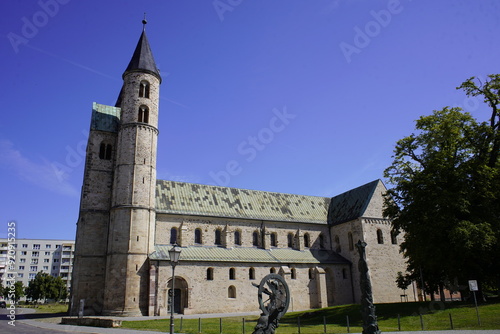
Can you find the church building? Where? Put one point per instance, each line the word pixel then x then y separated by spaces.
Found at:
pixel 229 238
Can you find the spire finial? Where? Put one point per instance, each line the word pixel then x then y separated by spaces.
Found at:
pixel 144 22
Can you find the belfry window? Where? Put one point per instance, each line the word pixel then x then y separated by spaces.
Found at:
pixel 351 241
pixel 197 236
pixel 290 240
pixel 307 240
pixel 105 151
pixel 237 237
pixel 255 238
pixel 380 236
pixel 251 273
pixel 210 274
pixel 144 89
pixel 173 235
pixel 143 114
pixel 394 239
pixel 218 237
pixel 274 242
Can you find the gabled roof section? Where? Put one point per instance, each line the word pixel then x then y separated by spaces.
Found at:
pixel 362 201
pixel 105 118
pixel 250 254
pixel 142 59
pixel 204 200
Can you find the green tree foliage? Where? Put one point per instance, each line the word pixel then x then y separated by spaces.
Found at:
pixel 45 286
pixel 446 193
pixel 19 291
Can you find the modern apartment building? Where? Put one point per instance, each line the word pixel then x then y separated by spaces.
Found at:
pixel 52 256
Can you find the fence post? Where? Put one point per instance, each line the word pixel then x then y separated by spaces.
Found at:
pixel 220 325
pixel 180 329
pixel 298 323
pixel 348 329
pixel 243 326
pixel 451 321
pixel 421 321
pixel 324 324
pixel 399 323
pixel 199 325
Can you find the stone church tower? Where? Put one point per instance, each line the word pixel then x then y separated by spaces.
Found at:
pixel 115 231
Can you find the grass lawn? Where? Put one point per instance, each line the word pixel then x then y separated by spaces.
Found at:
pixel 435 316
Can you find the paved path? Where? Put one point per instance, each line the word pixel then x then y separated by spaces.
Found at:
pixel 58 328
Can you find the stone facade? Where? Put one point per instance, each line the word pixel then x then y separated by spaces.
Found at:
pixel 230 238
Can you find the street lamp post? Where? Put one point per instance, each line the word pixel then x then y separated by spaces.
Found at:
pixel 174 253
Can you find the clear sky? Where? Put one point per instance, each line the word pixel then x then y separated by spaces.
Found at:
pixel 293 96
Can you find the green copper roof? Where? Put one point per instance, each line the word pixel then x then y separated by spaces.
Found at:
pixel 253 255
pixel 203 200
pixel 105 118
pixel 351 204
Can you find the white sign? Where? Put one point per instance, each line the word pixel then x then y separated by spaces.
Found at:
pixel 473 285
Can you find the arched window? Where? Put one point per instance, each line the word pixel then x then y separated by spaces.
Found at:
pixel 272 270
pixel 274 237
pixel 336 240
pixel 105 151
pixel 307 240
pixel 232 273
pixel 231 292
pixel 143 114
pixel 394 239
pixel 351 242
pixel 311 273
pixel 255 238
pixel 218 237
pixel 237 237
pixel 380 236
pixel 197 236
pixel 144 89
pixel 251 273
pixel 290 240
pixel 322 242
pixel 173 235
pixel 210 274
pixel 294 273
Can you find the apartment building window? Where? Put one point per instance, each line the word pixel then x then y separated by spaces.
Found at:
pixel 36 246
pixel 34 261
pixel 46 260
pixel 56 260
pixel 32 276
pixel 24 253
pixel 21 267
pixel 33 268
pixel 47 253
pixel 22 260
pixel 48 246
pixel 25 245
pixel 20 275
pixel 46 268
pixel 35 254
pixel 54 267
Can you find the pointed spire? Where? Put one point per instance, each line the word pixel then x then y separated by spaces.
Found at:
pixel 143 60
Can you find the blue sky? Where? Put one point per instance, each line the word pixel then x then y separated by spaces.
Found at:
pixel 304 97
